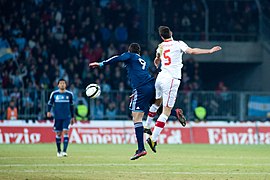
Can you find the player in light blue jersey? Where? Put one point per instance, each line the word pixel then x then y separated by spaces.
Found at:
pixel 61 101
pixel 143 85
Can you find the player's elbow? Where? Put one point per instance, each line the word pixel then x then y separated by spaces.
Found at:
pixel 191 51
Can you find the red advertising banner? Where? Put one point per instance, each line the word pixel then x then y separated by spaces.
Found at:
pixel 122 132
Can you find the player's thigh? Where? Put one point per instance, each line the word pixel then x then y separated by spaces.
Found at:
pixel 170 89
pixel 58 125
pixel 66 123
pixel 137 116
pixel 142 98
pixel 158 87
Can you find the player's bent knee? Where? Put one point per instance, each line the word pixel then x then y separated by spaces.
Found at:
pixel 59 133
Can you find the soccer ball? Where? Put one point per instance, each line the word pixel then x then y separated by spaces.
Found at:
pixel 93 90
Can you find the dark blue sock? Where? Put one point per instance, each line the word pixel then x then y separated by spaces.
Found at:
pixel 139 135
pixel 58 143
pixel 65 142
pixel 173 113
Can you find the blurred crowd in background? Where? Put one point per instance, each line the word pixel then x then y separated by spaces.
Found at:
pixel 58 39
pixel 224 17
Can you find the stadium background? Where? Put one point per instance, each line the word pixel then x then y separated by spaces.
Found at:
pixel 42 41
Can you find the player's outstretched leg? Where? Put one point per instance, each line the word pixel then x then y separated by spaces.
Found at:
pixel 138 154
pixel 139 135
pixel 151 114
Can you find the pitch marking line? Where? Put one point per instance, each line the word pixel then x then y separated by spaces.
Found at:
pixel 132 172
pixel 90 157
pixel 123 164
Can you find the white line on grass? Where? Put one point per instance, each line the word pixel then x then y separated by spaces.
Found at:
pixel 91 157
pixel 132 172
pixel 128 164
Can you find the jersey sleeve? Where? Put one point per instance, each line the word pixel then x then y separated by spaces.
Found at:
pixel 71 99
pixel 121 58
pixel 51 100
pixel 183 46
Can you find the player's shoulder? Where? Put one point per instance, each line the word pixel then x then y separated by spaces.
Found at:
pixel 69 92
pixel 56 91
pixel 180 42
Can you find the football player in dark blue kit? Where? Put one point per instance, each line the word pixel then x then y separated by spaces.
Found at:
pixel 61 101
pixel 143 86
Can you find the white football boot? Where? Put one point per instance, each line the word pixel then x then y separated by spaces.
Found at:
pixel 64 154
pixel 59 154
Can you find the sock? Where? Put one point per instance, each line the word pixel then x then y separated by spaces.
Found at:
pixel 159 126
pixel 152 113
pixel 65 142
pixel 58 143
pixel 139 135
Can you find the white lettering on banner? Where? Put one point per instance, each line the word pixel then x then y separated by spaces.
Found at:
pixel 86 136
pixel 18 138
pixel 101 138
pixel 74 137
pixel 221 136
pixel 175 138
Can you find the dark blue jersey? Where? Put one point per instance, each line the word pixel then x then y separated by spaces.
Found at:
pixel 137 68
pixel 62 104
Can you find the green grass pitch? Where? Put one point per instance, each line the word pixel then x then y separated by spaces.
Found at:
pixel 39 161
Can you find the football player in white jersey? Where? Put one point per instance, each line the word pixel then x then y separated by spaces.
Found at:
pixel 169 54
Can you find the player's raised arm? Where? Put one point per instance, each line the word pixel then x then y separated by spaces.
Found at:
pixel 94 65
pixel 203 51
pixel 111 60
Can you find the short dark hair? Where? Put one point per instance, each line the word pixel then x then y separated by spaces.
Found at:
pixel 62 80
pixel 134 48
pixel 164 31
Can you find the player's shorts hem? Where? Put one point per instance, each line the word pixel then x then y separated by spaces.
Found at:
pixel 136 110
pixel 57 130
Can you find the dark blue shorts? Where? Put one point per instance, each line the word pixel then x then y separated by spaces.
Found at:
pixel 61 124
pixel 143 97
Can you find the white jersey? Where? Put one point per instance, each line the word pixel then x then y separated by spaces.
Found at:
pixel 171 57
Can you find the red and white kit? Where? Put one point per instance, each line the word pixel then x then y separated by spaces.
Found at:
pixel 168 80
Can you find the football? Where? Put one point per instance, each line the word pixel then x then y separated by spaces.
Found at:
pixel 93 91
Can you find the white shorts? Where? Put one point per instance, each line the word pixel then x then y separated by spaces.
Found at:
pixel 166 88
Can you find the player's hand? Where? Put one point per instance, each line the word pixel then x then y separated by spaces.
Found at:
pixel 49 114
pixel 94 65
pixel 215 49
pixel 72 121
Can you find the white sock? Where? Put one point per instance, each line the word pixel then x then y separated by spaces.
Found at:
pixel 159 126
pixel 152 113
